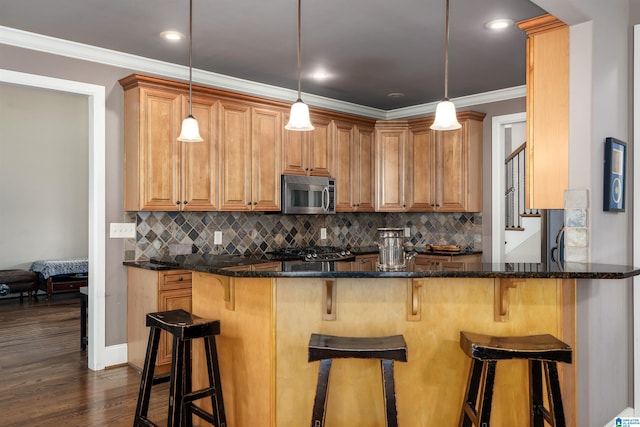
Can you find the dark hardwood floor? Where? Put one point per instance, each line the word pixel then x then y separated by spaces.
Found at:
pixel 44 379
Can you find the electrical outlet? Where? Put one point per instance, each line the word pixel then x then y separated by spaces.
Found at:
pixel 124 230
pixel 217 237
pixel 407 232
pixel 323 233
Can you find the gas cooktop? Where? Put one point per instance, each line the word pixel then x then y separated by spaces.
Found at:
pixel 312 254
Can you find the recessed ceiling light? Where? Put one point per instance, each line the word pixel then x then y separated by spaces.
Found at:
pixel 172 35
pixel 320 75
pixel 498 24
pixel 395 95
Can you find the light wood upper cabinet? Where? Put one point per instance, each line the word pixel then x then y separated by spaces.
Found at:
pixel 343 171
pixel 445 168
pixel 307 153
pixel 547 112
pixel 391 139
pixel 250 141
pixel 363 153
pixel 421 170
pixel 161 173
pixel 199 160
pixel 266 143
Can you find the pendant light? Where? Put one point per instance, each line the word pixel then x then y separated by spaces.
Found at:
pixel 190 131
pixel 299 117
pixel 445 111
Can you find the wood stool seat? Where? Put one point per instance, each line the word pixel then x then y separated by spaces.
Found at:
pixel 541 351
pixel 184 327
pixel 387 349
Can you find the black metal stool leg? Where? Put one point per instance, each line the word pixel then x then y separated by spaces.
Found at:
pixel 176 383
pixel 535 391
pixel 553 391
pixel 320 402
pixel 469 416
pixel 389 390
pixel 213 370
pixel 487 394
pixel 142 407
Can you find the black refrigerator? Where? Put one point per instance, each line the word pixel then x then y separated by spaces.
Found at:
pixel 552 236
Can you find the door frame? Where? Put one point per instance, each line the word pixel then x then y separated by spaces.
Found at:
pixel 96 102
pixel 498 124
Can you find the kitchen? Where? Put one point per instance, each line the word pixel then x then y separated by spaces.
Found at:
pixel 29 61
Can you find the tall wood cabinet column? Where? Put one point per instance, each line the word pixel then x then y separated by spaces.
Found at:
pixel 547 112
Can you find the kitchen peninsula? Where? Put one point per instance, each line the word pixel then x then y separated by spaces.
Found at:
pixel 268 314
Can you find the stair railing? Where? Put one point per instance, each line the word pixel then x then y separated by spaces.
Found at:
pixel 515 184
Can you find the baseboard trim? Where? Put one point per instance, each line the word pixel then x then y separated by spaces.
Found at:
pixel 115 355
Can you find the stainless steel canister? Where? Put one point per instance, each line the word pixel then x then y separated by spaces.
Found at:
pixel 391 247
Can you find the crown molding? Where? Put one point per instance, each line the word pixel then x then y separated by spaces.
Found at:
pixel 84 52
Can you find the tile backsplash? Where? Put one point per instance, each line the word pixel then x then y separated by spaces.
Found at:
pixel 257 233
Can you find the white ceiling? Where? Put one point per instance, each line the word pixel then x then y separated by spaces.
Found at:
pixel 370 47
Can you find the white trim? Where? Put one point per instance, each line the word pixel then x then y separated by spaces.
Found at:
pixel 461 102
pixel 115 355
pixel 636 215
pixel 96 248
pixel 497 177
pixel 38 42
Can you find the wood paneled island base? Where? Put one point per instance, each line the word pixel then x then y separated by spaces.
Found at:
pixel 266 323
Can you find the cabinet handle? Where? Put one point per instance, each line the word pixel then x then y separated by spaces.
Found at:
pixel 180 279
pixel 178 202
pixel 255 203
pixel 185 202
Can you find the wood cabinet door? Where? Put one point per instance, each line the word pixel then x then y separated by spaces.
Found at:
pixel 171 300
pixel 266 142
pixel 343 137
pixel 160 118
pixel 199 160
pixel 320 148
pixel 422 170
pixel 235 156
pixel 451 170
pixel 391 142
pixel 295 146
pixel 364 170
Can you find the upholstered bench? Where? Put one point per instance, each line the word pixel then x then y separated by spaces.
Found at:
pixel 14 281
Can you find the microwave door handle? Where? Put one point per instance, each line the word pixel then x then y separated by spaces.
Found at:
pixel 325 199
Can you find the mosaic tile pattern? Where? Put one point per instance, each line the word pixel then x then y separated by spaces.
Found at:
pixel 258 233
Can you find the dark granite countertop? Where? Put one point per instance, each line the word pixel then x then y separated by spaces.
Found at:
pixel 240 266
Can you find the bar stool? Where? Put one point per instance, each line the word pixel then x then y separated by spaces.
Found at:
pixel 328 347
pixel 184 327
pixel 539 350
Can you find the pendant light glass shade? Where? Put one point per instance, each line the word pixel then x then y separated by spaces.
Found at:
pixel 190 131
pixel 299 119
pixel 446 116
pixel 445 111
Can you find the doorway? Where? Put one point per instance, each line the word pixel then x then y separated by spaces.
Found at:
pixel 96 251
pixel 516 232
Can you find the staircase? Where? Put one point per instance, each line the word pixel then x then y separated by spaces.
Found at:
pixel 522 225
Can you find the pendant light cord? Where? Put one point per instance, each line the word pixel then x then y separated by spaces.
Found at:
pixel 299 66
pixel 446 54
pixel 190 53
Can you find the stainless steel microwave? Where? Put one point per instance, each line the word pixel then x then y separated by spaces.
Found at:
pixel 308 195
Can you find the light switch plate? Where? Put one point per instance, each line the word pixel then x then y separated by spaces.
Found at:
pixel 407 232
pixel 217 237
pixel 122 230
pixel 323 233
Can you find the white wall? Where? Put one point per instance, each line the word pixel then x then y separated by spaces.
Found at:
pixel 44 164
pixel 45 64
pixel 600 107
